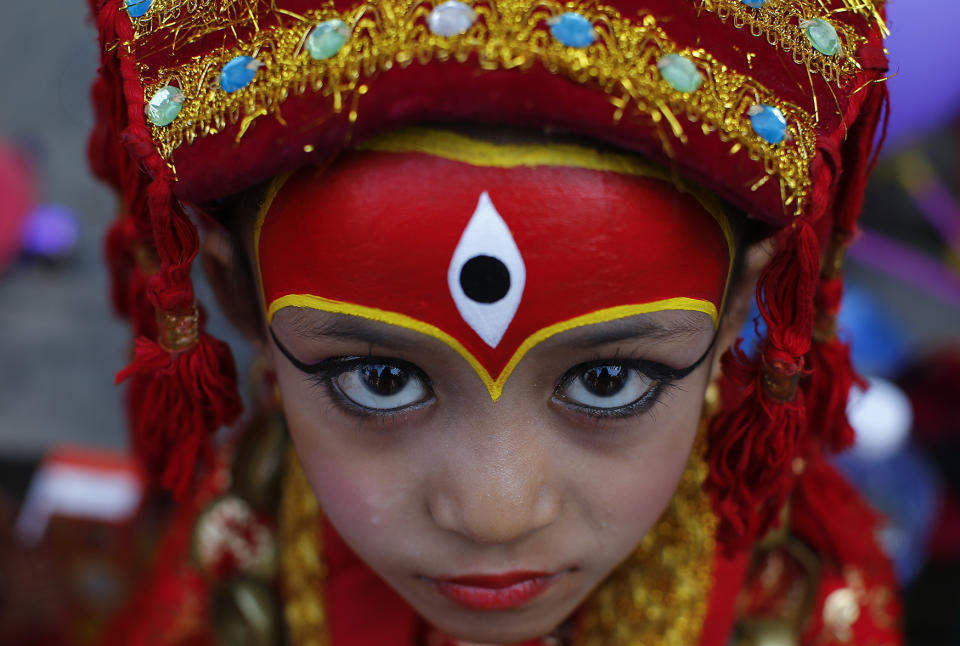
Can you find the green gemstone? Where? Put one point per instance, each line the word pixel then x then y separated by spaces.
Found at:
pixel 822 36
pixel 165 105
pixel 327 39
pixel 680 72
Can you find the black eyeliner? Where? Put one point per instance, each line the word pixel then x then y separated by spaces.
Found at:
pixel 655 370
pixel 324 373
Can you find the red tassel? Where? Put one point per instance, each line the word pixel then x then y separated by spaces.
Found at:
pixel 181 398
pixel 183 385
pixel 120 263
pixel 826 391
pixel 828 514
pixel 755 438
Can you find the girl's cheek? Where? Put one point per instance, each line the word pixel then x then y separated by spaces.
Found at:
pixel 358 493
pixel 638 483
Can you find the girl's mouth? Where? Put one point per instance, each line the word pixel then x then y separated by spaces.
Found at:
pixel 494 591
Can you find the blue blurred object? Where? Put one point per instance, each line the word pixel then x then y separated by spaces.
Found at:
pixel 879 344
pixel 51 231
pixel 905 490
pixel 896 478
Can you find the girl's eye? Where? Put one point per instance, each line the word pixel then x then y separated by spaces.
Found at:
pixel 606 386
pixel 381 386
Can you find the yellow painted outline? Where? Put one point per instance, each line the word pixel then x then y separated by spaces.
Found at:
pixel 494 385
pixel 476 152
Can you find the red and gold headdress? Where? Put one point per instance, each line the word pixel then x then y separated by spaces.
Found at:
pixel 770 104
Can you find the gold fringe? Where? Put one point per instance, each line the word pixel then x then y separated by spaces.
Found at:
pixel 780 24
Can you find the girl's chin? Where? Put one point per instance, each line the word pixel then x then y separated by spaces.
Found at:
pixel 495 632
pixel 513 626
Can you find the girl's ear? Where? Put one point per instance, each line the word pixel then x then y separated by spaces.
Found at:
pixel 233 283
pixel 741 297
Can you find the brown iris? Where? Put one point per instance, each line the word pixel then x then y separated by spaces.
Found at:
pixel 604 381
pixel 383 379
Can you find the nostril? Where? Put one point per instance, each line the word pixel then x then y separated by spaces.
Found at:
pixel 494 517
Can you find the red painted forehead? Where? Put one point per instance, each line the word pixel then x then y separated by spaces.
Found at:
pixel 451 237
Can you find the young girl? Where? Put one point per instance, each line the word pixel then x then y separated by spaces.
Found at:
pixel 505 354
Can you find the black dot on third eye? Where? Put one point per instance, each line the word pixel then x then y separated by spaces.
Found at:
pixel 485 279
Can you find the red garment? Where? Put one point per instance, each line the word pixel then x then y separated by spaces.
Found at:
pixel 854 599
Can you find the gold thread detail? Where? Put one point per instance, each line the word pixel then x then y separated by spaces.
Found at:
pixel 508 34
pixel 780 23
pixel 494 385
pixel 659 595
pixel 187 20
pixel 868 10
pixel 301 561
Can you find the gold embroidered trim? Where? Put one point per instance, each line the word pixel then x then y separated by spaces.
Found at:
pixel 508 34
pixel 167 14
pixel 301 562
pixel 868 10
pixel 780 22
pixel 659 596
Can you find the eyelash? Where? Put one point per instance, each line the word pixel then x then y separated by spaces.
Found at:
pixel 663 377
pixel 324 373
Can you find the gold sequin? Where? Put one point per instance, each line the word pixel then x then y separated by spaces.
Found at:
pixel 779 23
pixel 508 34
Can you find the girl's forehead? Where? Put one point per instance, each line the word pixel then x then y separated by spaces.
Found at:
pixel 491 249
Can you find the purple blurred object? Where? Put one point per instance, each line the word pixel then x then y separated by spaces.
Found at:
pixel 51 231
pixel 925 88
pixel 908 266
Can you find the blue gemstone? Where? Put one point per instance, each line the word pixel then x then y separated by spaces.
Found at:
pixel 165 105
pixel 768 122
pixel 137 8
pixel 573 30
pixel 238 73
pixel 754 4
pixel 822 35
pixel 327 39
pixel 680 72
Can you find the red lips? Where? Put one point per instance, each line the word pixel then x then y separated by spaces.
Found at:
pixel 494 591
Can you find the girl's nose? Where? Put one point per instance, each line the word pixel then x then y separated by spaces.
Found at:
pixel 496 491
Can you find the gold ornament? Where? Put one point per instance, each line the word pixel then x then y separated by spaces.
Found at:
pixel 507 34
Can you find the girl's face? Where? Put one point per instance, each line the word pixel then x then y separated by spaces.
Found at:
pixel 494 520
pixel 487 458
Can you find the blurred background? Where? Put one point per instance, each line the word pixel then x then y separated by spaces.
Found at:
pixel 61 416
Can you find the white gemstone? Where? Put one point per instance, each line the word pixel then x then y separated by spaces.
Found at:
pixel 451 18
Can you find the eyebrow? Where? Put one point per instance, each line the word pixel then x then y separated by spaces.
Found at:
pixel 641 328
pixel 347 329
